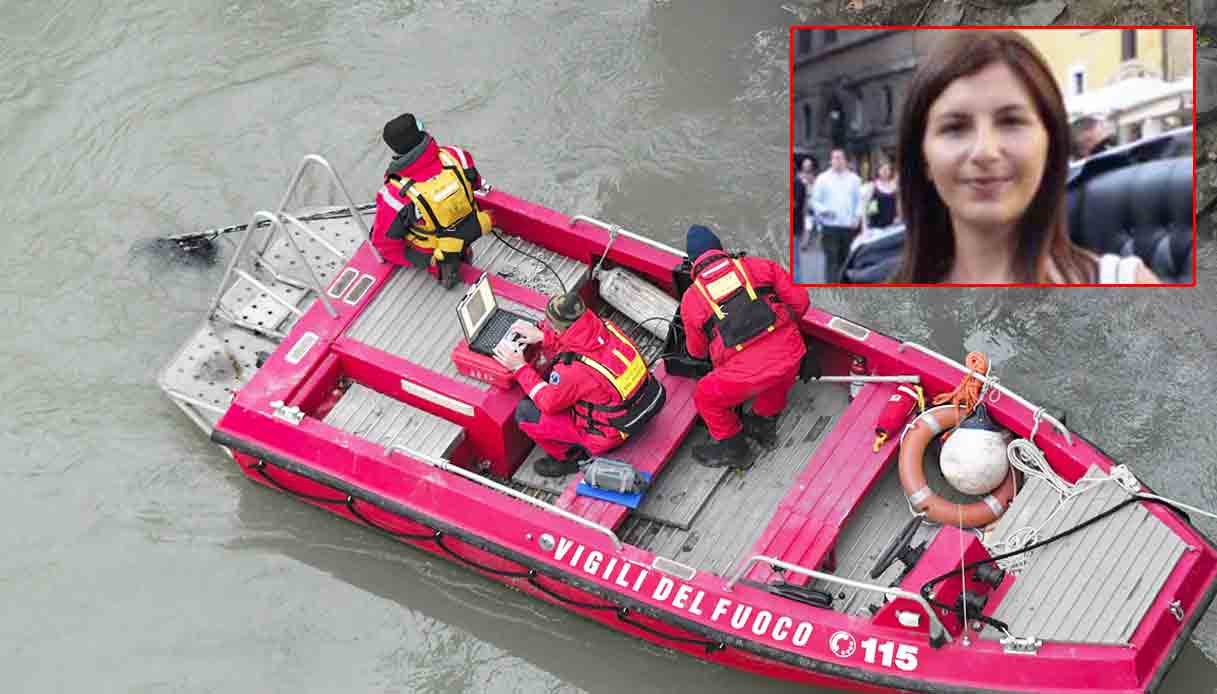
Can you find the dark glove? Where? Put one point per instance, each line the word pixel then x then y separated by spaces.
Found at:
pixel 402 222
pixel 474 178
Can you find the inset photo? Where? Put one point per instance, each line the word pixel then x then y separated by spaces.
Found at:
pixel 993 156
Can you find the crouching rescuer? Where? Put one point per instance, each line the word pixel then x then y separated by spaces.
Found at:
pixel 742 312
pixel 598 393
pixel 426 213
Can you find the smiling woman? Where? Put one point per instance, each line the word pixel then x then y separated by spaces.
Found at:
pixel 984 153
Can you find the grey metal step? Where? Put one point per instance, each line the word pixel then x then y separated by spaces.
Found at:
pixel 381 420
pixel 249 304
pixel 211 367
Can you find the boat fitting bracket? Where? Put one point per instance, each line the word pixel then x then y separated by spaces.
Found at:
pixel 1176 609
pixel 1028 645
pixel 288 413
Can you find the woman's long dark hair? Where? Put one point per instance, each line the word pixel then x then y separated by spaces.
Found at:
pixel 1043 238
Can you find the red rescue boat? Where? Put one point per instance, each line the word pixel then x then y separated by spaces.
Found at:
pixel 344 381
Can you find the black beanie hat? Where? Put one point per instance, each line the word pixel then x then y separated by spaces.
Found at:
pixel 563 310
pixel 699 240
pixel 402 134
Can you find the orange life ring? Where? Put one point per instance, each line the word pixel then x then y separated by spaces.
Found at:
pixel 912 476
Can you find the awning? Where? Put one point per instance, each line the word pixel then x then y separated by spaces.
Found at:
pixel 1120 100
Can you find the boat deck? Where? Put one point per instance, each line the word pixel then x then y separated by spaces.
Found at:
pixel 384 421
pixel 222 354
pixel 221 357
pixel 394 323
pixel 1094 586
pixel 710 519
pixel 880 517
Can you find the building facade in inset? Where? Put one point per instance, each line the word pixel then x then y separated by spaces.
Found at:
pixel 847 90
pixel 1139 79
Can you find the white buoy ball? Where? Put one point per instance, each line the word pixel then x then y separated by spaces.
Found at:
pixel 974 460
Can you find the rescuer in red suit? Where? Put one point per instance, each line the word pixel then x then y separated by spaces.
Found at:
pixel 426 213
pixel 598 393
pixel 742 313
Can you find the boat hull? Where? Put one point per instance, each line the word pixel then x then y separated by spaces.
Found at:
pixel 569 552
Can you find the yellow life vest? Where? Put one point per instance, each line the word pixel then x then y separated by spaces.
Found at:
pixel 443 200
pixel 641 396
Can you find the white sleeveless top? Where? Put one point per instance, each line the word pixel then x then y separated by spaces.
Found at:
pixel 1116 270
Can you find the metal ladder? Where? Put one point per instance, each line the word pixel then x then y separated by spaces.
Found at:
pixel 265 292
pixel 252 257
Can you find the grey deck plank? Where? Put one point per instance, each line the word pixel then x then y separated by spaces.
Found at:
pixel 1148 589
pixel 1153 568
pixel 1094 586
pixel 743 504
pixel 393 323
pixel 682 489
pixel 377 418
pixel 526 476
pixel 1085 571
pixel 496 258
pixel 877 520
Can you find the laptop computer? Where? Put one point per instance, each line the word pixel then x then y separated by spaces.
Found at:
pixel 482 321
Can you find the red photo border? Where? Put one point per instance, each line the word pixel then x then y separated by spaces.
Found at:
pixel 790 158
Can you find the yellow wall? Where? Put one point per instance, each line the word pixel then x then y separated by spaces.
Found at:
pixel 1179 45
pixel 1099 52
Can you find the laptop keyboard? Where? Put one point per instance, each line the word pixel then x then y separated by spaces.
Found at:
pixel 494 330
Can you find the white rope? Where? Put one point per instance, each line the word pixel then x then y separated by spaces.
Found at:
pixel 1180 504
pixel 1028 459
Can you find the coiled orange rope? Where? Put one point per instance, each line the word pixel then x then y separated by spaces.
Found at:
pixel 966 395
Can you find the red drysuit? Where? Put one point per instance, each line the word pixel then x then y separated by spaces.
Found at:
pixel 563 399
pixel 766 366
pixel 418 166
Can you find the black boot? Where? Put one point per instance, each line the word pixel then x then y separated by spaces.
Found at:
pixel 449 272
pixel 763 430
pixel 549 467
pixel 732 452
pixel 552 467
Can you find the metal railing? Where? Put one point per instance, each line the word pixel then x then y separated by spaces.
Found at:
pixel 276 225
pixel 1038 411
pixel 319 160
pixel 613 228
pixel 937 629
pixel 868 379
pixel 474 477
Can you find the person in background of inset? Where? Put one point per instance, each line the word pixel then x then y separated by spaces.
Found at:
pixel 743 313
pixel 798 226
pixel 807 174
pixel 879 202
pixel 834 202
pixel 426 213
pixel 984 155
pixel 1092 134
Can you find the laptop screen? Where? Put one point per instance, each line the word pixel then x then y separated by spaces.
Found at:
pixel 476 307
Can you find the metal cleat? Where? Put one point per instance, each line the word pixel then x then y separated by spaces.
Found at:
pixel 289 413
pixel 1021 645
pixel 1127 480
